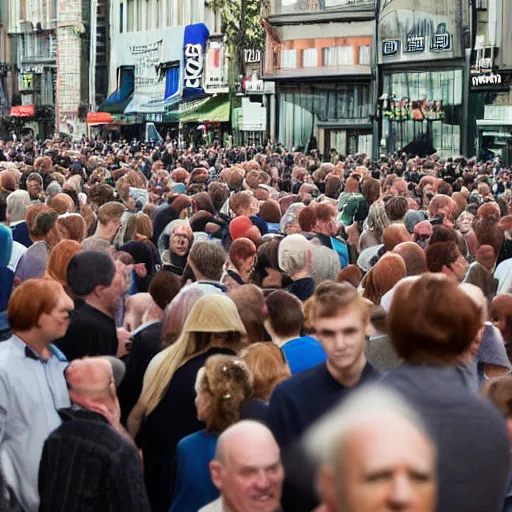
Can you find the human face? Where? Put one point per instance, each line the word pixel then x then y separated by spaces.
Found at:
pixel 34 189
pixel 252 479
pixel 464 222
pixel 343 339
pixel 202 403
pixel 113 226
pixel 180 242
pixel 387 466
pixel 55 324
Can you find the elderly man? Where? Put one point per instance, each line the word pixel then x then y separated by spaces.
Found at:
pixel 374 454
pixel 247 470
pixel 32 384
pixel 90 463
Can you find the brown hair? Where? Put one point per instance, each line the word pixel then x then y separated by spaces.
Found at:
pixel 488 232
pixel 442 234
pixel 228 382
pixel 241 201
pixel 30 300
pixel 249 301
pixel 139 227
pixel 431 316
pixel 241 249
pixel 370 188
pixel 72 227
pixel 163 288
pixel 394 235
pixel 307 218
pixel 62 203
pixel 331 299
pixel 270 211
pixel 441 254
pixel 396 208
pixel 30 217
pixel 383 276
pixel 499 392
pixel 268 367
pixel 351 274
pixel 285 313
pixel 110 211
pixel 208 258
pixel 58 261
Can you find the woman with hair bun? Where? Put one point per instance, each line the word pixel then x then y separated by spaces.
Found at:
pixel 223 386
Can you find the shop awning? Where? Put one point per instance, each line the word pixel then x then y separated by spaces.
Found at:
pixel 117 102
pixel 99 118
pixel 215 109
pixel 23 111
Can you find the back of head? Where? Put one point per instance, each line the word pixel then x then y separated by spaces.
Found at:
pixel 499 392
pixel 110 211
pixel 396 208
pixel 268 367
pixel 394 235
pixel 208 258
pixel 413 256
pixel 62 203
pixel 249 301
pixel 440 255
pixel 325 264
pixel 58 261
pixel 227 381
pixel 163 288
pixel 351 274
pixel 293 253
pixel 241 249
pixel 90 269
pixel 442 234
pixel 270 211
pixel 30 217
pixel 432 319
pixel 285 314
pixel 96 244
pixel 45 222
pixel 383 276
pixel 72 226
pixel 17 204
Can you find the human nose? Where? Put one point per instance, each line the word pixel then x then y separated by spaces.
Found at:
pixel 401 492
pixel 262 481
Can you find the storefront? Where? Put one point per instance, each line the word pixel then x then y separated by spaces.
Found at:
pixel 326 116
pixel 422 111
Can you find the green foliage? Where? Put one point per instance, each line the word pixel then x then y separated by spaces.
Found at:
pixel 231 15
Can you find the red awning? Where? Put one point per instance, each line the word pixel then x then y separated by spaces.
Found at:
pixel 99 118
pixel 23 111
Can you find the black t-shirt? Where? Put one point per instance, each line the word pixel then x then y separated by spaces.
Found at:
pixel 90 333
pixel 302 288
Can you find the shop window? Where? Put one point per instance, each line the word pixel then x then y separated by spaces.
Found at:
pixel 310 58
pixel 364 55
pixel 289 58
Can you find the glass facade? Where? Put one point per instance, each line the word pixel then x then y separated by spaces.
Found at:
pixel 423 109
pixel 301 107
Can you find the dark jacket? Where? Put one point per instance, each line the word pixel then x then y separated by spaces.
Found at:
pixel 87 466
pixel 174 418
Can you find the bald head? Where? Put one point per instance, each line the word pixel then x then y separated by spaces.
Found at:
pixel 394 235
pixel 237 438
pixel 91 375
pixel 136 306
pixel 414 257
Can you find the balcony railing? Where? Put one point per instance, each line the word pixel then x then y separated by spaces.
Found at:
pixel 301 6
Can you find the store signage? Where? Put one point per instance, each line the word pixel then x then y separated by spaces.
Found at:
pixel 441 41
pixel 216 72
pixel 23 111
pixel 193 59
pixel 252 56
pixel 32 69
pixel 490 81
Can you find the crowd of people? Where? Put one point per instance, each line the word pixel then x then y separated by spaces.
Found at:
pixel 253 330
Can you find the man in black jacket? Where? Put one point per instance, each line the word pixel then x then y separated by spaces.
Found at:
pixel 90 463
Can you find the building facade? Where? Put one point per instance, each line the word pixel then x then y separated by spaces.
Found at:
pixel 491 71
pixel 167 62
pixel 423 91
pixel 320 54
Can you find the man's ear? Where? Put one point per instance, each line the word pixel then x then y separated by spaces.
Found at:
pixel 327 489
pixel 216 473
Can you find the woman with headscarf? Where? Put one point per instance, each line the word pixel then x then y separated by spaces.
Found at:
pixel 167 399
pixel 179 237
pixel 6 279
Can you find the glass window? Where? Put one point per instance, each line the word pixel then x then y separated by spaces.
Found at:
pixel 364 55
pixel 288 58
pixel 310 58
pixel 330 57
pixel 345 55
pixel 121 17
pixel 131 16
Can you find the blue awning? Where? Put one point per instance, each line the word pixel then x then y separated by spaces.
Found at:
pixel 120 98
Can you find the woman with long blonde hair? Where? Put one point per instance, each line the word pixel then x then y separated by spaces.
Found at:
pixel 167 399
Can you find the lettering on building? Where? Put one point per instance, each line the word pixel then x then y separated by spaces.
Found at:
pixel 390 47
pixel 252 56
pixel 440 41
pixel 492 79
pixel 193 71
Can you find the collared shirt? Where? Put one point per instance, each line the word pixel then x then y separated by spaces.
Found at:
pixel 31 392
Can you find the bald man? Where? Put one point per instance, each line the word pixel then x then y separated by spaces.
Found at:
pixel 135 308
pixel 414 257
pixel 88 463
pixel 374 454
pixel 247 470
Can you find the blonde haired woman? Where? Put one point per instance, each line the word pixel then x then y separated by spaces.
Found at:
pixel 167 399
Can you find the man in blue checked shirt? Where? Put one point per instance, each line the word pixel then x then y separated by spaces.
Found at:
pixel 32 383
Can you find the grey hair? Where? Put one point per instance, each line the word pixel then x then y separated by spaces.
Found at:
pixel 293 253
pixel 325 438
pixel 17 204
pixel 34 176
pixel 53 189
pixel 325 264
pixel 95 243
